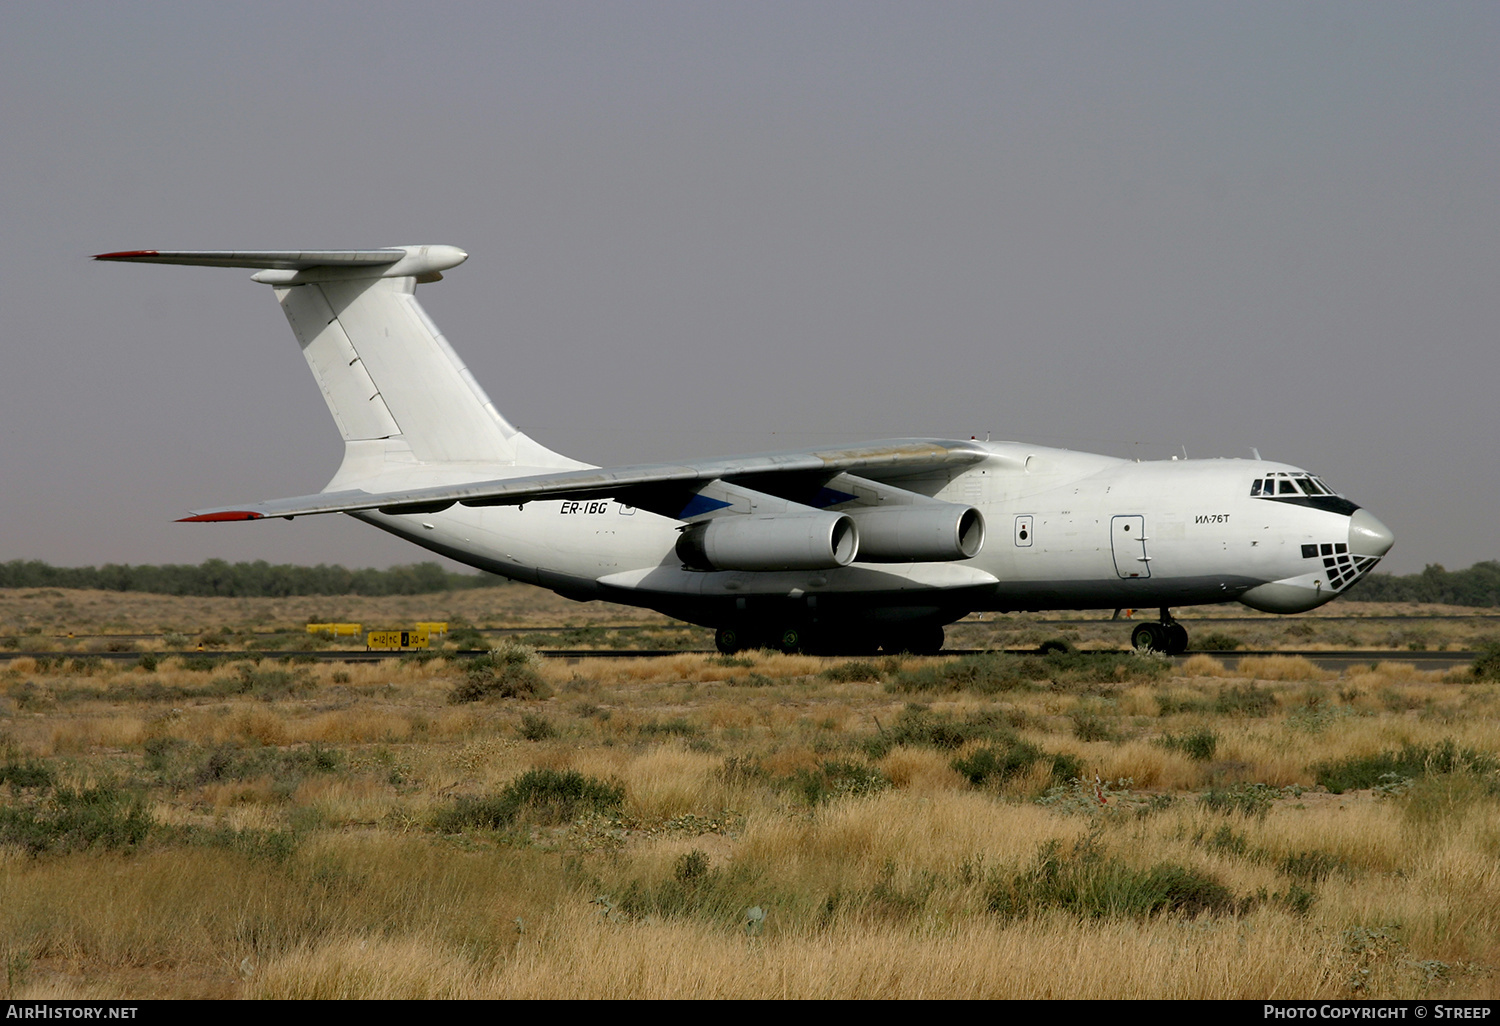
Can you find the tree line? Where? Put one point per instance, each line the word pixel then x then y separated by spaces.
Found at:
pixel 1479 585
pixel 259 579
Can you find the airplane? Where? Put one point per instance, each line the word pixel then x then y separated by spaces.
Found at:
pixel 854 549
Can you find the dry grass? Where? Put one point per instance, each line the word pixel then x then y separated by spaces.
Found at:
pixel 294 848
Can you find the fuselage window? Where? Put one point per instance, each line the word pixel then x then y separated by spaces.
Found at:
pixel 1255 488
pixel 1287 488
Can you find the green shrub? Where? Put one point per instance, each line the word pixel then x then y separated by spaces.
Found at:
pixel 1244 700
pixel 266 685
pixel 1487 666
pixel 853 672
pixel 833 780
pixel 1245 799
pixel 1001 671
pixel 1309 866
pixel 690 867
pixel 1089 727
pixel 26 774
pixel 538 795
pixel 537 728
pixel 997 762
pixel 506 672
pixel 68 820
pixel 1361 771
pixel 1087 883
pixel 1218 642
pixel 1199 746
pixel 918 727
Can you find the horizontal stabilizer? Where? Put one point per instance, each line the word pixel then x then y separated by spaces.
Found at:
pixel 301 266
pixel 285 259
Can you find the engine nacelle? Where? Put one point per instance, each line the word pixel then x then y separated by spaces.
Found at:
pixel 918 534
pixel 778 541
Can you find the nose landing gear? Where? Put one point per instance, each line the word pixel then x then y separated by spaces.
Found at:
pixel 1167 637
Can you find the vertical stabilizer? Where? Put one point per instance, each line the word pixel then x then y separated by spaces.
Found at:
pixel 398 392
pixel 387 372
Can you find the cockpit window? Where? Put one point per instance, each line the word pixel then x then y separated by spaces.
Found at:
pixel 1283 483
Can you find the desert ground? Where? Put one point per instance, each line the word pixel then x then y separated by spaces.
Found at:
pixel 1090 823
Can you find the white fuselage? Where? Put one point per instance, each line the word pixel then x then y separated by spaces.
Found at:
pixel 1065 530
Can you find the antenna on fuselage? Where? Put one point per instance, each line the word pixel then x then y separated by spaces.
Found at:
pixel 1255 452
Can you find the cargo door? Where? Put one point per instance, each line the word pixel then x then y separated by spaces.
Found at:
pixel 1127 536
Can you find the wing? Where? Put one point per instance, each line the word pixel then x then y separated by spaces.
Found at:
pixel 667 488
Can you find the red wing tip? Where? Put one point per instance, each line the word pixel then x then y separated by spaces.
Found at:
pixel 127 254
pixel 206 518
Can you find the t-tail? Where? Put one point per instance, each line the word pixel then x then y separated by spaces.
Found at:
pixel 400 395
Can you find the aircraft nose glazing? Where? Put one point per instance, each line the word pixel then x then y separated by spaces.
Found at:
pixel 1368 536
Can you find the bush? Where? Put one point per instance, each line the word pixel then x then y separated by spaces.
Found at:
pixel 540 795
pixel 997 763
pixel 1002 671
pixel 1244 700
pixel 70 820
pixel 25 774
pixel 1362 771
pixel 1218 642
pixel 690 867
pixel 1199 746
pixel 267 685
pixel 1088 727
pixel 1487 666
pixel 849 673
pixel 1245 799
pixel 537 728
pixel 507 672
pixel 1087 883
pixel 922 728
pixel 833 780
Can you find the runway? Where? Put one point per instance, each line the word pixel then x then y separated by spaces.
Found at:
pixel 1328 660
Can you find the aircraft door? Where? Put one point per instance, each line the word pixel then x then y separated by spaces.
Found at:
pixel 1127 536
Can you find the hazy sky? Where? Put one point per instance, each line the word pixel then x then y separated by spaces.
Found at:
pixel 706 228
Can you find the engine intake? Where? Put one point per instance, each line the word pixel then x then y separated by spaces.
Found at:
pixel 784 541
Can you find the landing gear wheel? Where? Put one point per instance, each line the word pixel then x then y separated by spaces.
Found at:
pixel 730 640
pixel 1176 639
pixel 1147 637
pixel 788 639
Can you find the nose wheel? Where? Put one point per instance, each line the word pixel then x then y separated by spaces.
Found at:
pixel 1167 637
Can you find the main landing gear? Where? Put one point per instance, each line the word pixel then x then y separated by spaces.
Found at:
pixel 1167 637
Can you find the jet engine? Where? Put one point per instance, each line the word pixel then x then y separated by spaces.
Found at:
pixel 932 533
pixel 779 541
